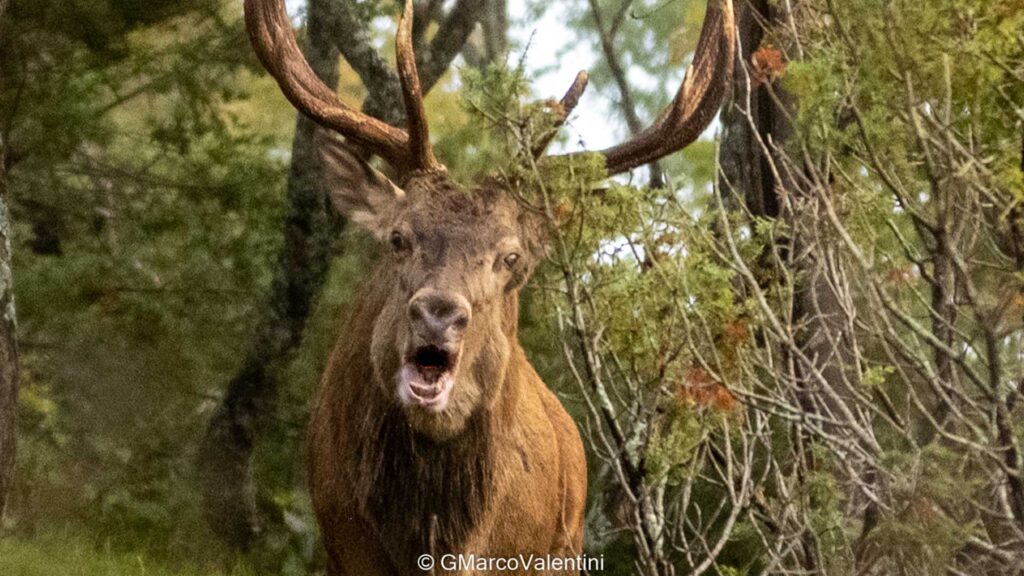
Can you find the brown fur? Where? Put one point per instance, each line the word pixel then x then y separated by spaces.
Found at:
pixel 501 472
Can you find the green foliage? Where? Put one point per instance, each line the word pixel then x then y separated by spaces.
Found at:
pixel 669 453
pixel 690 362
pixel 147 220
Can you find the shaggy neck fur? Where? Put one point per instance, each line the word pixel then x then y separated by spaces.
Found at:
pixel 424 496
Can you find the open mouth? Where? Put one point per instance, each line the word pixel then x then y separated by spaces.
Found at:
pixel 427 377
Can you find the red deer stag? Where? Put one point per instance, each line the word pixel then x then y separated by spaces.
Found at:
pixel 433 434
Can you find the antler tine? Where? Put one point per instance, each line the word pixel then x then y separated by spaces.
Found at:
pixel 419 132
pixel 271 34
pixel 697 101
pixel 566 105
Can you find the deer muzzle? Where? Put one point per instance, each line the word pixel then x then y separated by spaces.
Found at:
pixel 438 321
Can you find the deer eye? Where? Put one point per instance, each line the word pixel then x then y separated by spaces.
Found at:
pixel 511 260
pixel 397 241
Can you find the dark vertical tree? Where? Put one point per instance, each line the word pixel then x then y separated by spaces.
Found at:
pixel 492 44
pixel 8 348
pixel 495 27
pixel 750 114
pixel 225 464
pixel 226 453
pixel 757 171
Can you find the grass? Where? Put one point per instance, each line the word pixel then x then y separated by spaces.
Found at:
pixel 53 556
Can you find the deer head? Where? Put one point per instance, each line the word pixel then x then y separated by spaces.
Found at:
pixel 456 256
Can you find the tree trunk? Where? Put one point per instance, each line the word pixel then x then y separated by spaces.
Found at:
pixel 225 455
pixel 8 349
pixel 495 29
pixel 746 169
pixel 756 130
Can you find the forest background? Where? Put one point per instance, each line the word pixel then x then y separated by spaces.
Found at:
pixel 795 348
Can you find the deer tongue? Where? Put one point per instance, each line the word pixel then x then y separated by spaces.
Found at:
pixel 431 374
pixel 425 386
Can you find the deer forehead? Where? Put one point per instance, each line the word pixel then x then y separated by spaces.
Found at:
pixel 446 213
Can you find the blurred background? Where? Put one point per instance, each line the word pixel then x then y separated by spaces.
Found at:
pixel 810 321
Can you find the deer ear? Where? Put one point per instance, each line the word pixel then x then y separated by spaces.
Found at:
pixel 357 190
pixel 535 234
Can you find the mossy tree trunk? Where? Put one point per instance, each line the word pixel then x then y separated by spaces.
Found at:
pixel 8 348
pixel 8 352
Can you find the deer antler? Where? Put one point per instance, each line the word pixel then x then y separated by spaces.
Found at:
pixel 565 107
pixel 697 101
pixel 419 133
pixel 270 32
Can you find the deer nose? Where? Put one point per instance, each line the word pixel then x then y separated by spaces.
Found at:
pixel 439 317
